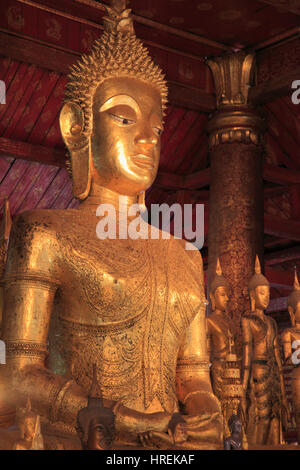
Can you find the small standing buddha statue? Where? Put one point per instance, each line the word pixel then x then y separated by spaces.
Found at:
pixel 262 368
pixel 290 339
pixel 29 425
pixel 225 365
pixel 135 307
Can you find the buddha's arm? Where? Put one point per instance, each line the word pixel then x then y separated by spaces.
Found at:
pixel 193 381
pixel 208 338
pixel 279 363
pixel 247 351
pixel 287 345
pixel 30 285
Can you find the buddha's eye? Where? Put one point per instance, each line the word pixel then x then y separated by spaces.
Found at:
pixel 158 130
pixel 121 120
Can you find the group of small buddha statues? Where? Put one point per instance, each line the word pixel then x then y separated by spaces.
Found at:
pixel 108 340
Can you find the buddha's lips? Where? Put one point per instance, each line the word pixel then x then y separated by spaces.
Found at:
pixel 143 161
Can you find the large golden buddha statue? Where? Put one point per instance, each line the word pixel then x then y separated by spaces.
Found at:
pixel 135 308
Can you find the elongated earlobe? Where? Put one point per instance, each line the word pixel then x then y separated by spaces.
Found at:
pixel 252 301
pixel 212 301
pixel 79 145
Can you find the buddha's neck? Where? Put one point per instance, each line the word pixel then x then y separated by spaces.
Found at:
pixel 259 312
pixel 101 195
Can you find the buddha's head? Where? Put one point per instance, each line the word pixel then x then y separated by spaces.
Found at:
pixel 235 424
pixel 294 302
pixel 95 426
pixel 112 118
pixel 219 291
pixel 259 289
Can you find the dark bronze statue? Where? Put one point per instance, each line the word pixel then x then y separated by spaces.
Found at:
pixel 95 423
pixel 234 441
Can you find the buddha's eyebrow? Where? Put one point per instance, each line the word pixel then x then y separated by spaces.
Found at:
pixel 120 100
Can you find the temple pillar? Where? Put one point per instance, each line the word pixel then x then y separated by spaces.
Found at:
pixel 236 204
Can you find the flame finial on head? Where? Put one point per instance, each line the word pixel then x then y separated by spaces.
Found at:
pixel 258 279
pixel 28 405
pixel 95 390
pixel 219 280
pixel 296 282
pixel 118 17
pixel 294 297
pixel 257 265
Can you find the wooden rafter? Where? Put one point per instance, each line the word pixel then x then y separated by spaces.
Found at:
pixel 282 228
pixel 59 59
pixel 289 254
pixel 274 88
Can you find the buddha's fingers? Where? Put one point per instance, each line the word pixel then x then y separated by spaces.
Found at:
pixel 200 421
pixel 160 440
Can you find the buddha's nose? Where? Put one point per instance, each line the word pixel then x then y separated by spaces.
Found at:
pixel 146 142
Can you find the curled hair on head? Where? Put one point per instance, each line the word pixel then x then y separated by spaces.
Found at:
pixel 117 53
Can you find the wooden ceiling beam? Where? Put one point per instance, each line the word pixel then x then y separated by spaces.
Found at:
pixel 59 59
pixel 279 278
pixel 289 5
pixel 281 228
pixel 277 305
pixel 33 153
pixel 274 88
pixel 279 175
pixel 282 256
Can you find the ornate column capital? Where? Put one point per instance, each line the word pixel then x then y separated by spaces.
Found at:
pixel 235 119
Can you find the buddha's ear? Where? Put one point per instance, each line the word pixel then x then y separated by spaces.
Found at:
pixel 71 122
pixel 212 301
pixel 292 314
pixel 252 300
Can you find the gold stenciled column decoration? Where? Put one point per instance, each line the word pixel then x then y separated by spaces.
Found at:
pixel 236 190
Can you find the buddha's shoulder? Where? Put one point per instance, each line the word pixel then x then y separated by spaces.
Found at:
pixel 182 250
pixel 50 220
pixel 38 228
pixel 286 335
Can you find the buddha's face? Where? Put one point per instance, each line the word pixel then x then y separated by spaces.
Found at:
pixel 127 123
pixel 236 427
pixel 261 296
pixel 221 298
pixel 100 434
pixel 29 427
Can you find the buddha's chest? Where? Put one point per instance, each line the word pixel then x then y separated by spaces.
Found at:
pixel 105 281
pixel 263 332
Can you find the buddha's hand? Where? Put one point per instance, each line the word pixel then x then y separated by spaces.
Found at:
pixel 131 424
pixel 200 432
